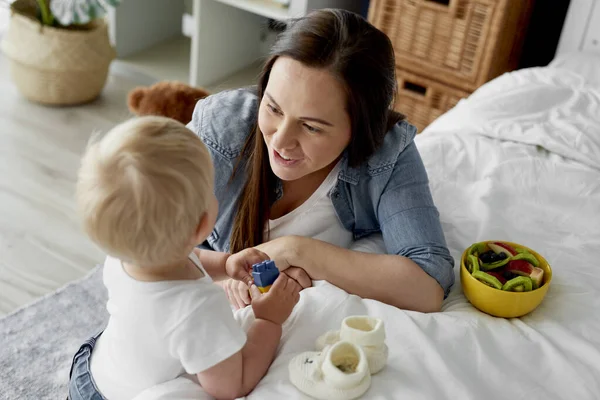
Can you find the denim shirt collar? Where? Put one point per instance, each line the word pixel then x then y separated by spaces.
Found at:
pixel 347 173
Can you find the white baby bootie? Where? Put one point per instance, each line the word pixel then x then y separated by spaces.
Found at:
pixel 364 331
pixel 339 372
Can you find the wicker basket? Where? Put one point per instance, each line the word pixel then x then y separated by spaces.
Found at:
pixel 422 100
pixel 57 66
pixel 463 43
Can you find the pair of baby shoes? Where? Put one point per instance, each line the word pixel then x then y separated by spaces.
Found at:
pixel 341 369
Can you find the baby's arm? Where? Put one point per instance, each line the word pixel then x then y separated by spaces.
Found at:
pixel 213 262
pixel 239 374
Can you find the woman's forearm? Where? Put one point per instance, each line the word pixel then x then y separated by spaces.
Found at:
pixel 392 279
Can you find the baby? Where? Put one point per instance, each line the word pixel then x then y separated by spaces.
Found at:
pixel 145 196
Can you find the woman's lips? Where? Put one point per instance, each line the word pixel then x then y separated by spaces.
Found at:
pixel 282 161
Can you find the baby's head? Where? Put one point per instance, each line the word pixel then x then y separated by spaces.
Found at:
pixel 145 191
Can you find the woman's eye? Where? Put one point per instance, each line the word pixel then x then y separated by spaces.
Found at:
pixel 273 109
pixel 312 129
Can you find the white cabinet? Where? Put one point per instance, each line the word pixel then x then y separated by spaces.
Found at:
pixel 226 35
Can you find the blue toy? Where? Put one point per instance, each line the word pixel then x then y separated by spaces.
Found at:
pixel 264 275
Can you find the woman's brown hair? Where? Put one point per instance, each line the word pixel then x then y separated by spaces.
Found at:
pixel 362 58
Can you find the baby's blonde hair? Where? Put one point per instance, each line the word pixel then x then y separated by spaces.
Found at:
pixel 143 188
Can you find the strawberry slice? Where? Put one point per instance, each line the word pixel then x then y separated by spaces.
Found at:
pixel 498 276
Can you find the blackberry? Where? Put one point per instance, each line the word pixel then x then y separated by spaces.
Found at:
pixel 488 257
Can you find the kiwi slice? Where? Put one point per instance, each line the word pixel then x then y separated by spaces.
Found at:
pixel 518 284
pixel 487 279
pixel 473 263
pixel 530 258
pixel 476 249
pixel 496 264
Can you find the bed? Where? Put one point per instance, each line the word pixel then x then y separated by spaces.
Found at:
pixel 519 160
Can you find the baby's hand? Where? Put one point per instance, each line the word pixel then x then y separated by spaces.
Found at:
pixel 239 265
pixel 278 303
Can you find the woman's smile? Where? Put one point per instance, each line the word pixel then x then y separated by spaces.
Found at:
pixel 285 161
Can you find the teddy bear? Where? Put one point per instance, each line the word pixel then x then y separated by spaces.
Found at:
pixel 170 99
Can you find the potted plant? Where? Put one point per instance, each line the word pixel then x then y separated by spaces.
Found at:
pixel 59 50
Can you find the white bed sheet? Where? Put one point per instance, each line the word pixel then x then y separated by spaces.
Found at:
pixel 518 161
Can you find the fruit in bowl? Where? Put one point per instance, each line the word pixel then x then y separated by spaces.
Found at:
pixel 504 279
pixel 504 267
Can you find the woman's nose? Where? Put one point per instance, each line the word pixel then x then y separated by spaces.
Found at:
pixel 284 137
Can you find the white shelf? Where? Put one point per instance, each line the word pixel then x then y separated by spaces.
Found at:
pixel 227 36
pixel 263 8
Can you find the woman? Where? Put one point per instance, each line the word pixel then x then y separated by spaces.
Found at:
pixel 314 162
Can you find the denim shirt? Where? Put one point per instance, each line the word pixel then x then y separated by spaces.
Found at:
pixel 389 193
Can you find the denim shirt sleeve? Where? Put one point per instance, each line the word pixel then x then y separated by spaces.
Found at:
pixel 409 220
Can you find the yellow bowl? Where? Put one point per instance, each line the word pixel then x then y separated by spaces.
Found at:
pixel 501 303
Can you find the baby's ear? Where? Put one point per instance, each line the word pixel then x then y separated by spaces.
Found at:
pixel 203 229
pixel 134 99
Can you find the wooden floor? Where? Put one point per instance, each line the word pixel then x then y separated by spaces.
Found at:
pixel 41 245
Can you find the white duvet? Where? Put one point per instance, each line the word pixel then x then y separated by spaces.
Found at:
pixel 519 160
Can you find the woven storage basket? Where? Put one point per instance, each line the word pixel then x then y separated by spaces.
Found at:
pixel 57 66
pixel 422 100
pixel 463 43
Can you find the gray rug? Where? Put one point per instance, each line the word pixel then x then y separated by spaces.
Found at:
pixel 37 343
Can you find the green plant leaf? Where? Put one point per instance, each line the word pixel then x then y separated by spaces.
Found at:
pixel 69 12
pixel 46 15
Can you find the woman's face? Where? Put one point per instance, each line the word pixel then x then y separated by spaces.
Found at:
pixel 303 119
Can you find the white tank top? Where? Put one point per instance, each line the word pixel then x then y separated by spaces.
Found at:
pixel 315 218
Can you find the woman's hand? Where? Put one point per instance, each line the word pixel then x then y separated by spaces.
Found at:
pixel 282 250
pixel 300 276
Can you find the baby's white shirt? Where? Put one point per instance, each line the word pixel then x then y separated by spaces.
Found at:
pixel 158 331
